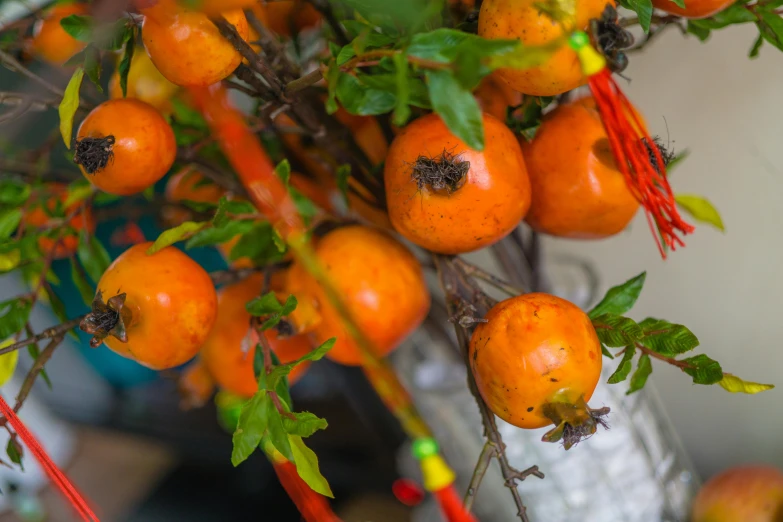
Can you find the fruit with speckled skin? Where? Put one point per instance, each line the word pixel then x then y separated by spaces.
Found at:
pixel 379 280
pixel 492 196
pixel 142 150
pixel 171 301
pixel 521 19
pixel 577 190
pixel 743 493
pixel 534 349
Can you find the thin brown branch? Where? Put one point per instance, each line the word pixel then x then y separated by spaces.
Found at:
pixel 12 64
pixel 682 365
pixel 472 270
pixel 49 333
pixel 485 458
pixel 325 8
pixel 304 82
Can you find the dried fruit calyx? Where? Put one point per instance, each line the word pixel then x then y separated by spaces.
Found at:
pixel 105 319
pixel 443 173
pixel 93 154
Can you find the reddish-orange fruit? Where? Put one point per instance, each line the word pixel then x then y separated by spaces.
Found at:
pixel 380 281
pixel 50 41
pixel 536 361
pixel 286 17
pixel 124 146
pixel 448 198
pixel 743 493
pixel 81 219
pixel 521 19
pixel 159 308
pixel 222 353
pixel 577 190
pixel 693 8
pixel 145 83
pixel 187 48
pixel 495 96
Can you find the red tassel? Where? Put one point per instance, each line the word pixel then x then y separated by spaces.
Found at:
pixel 451 505
pixel 631 146
pixel 55 475
pixel 312 506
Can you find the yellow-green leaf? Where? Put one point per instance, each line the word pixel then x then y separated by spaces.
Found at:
pixel 526 56
pixel 172 235
pixel 9 260
pixel 701 210
pixel 7 362
pixel 69 105
pixel 306 462
pixel 734 384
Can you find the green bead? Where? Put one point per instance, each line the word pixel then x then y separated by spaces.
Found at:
pixel 578 40
pixel 423 448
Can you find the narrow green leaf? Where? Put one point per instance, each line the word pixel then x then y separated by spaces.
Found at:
pixel 15 452
pixel 305 425
pixel 80 280
pixel 616 330
pixel 252 425
pixel 9 221
pixel 639 377
pixel 173 235
pixel 14 314
pixel 621 298
pixel 457 107
pixel 667 338
pixel 644 10
pixel 626 364
pixel 771 28
pixel 284 369
pixel 283 171
pixel 69 104
pixel 703 369
pixel 8 364
pixel 92 65
pixel 215 235
pixel 754 51
pixel 276 432
pixel 307 466
pixel 79 27
pixel 123 69
pixel 606 352
pixel 732 383
pixel 92 255
pixel 701 210
pixel 401 111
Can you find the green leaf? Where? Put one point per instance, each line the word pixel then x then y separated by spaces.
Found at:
pixel 9 260
pixel 92 65
pixel 417 95
pixel 8 364
pixel 125 63
pixel 703 369
pixel 268 306
pixel 187 115
pixel 457 107
pixel 732 383
pixel 13 192
pixel 227 207
pixel 14 314
pixel 616 330
pixel 82 285
pixel 216 235
pixel 606 352
pixel 258 245
pixel 178 233
pixel 282 370
pixel 252 424
pixel 69 104
pixel 92 256
pixel 306 424
pixel 358 98
pixel 639 377
pixel 9 221
pixel 342 174
pixel 15 452
pixel 621 298
pixel 626 364
pixel 79 27
pixel 679 3
pixel 276 432
pixel 771 28
pixel 78 191
pixel 283 171
pixel 307 466
pixel 667 338
pixel 700 209
pixel 35 352
pixel 447 45
pixel 527 120
pixel 366 40
pixel 401 111
pixel 702 33
pixel 644 9
pixel 754 51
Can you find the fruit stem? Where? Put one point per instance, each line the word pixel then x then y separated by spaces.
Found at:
pixel 573 422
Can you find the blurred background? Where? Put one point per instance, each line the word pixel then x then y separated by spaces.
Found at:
pixel 118 430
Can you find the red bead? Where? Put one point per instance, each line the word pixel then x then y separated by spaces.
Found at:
pixel 407 492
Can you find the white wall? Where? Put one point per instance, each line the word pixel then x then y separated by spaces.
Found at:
pixel 727 288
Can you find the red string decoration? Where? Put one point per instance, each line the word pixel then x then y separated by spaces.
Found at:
pixel 52 471
pixel 634 150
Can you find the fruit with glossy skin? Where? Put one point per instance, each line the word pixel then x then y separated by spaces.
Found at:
pixel 693 9
pixel 187 48
pixel 535 353
pixel 81 219
pixel 521 20
pixel 124 146
pixel 50 41
pixel 380 281
pixel 145 83
pixel 168 309
pixel 222 353
pixel 742 493
pixel 577 190
pixel 448 198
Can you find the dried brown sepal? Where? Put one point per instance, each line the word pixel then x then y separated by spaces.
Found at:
pixel 105 319
pixel 93 154
pixel 444 173
pixel 573 422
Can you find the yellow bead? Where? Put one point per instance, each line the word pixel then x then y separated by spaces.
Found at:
pixel 437 474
